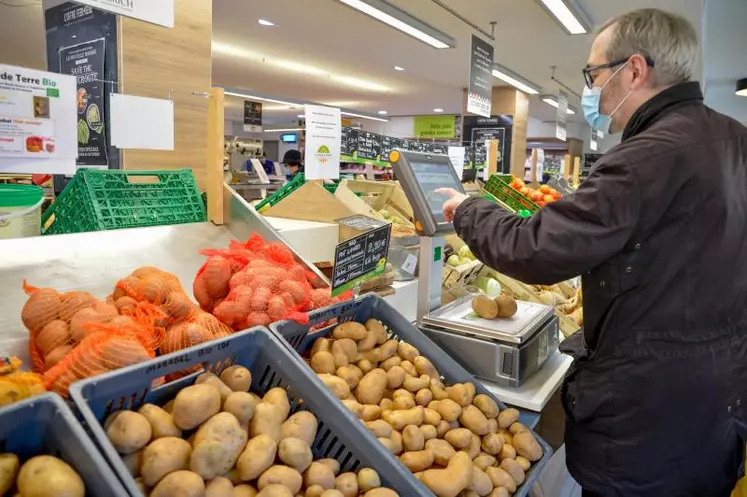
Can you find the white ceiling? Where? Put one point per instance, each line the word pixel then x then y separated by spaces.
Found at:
pixel 338 42
pixel 341 48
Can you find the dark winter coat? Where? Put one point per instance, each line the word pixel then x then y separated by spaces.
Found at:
pixel 656 397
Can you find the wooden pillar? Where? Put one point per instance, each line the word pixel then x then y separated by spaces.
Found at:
pixel 214 155
pixel 575 147
pixel 155 60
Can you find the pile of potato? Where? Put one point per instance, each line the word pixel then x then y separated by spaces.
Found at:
pixel 456 442
pixel 40 476
pixel 215 439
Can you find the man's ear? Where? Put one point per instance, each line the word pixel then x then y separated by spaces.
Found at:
pixel 641 71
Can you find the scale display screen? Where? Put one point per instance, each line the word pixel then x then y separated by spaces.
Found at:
pixel 431 177
pixel 420 175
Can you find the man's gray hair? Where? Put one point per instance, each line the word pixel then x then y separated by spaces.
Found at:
pixel 668 39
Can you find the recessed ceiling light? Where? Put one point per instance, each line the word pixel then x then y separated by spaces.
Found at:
pixel 382 112
pixel 397 68
pixel 438 110
pixel 265 22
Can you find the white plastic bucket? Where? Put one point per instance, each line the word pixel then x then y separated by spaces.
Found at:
pixel 20 210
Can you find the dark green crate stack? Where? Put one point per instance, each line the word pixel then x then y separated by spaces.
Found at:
pixel 499 186
pixel 97 200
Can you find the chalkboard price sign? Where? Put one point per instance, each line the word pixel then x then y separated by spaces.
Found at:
pixel 344 145
pixel 360 258
pixel 369 145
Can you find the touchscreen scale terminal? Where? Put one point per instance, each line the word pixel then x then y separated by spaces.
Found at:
pixel 420 175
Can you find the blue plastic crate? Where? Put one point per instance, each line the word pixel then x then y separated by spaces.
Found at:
pixel 340 435
pixel 45 425
pixel 374 307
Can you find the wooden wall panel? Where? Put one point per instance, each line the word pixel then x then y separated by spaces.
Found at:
pixel 155 60
pixel 519 136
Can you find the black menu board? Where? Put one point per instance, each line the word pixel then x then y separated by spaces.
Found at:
pixel 387 145
pixel 344 145
pixel 369 145
pixel 417 146
pixel 360 258
pixel 352 141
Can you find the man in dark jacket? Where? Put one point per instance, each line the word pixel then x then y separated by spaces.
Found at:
pixel 655 400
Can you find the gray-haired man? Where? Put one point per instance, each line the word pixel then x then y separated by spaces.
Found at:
pixel 656 397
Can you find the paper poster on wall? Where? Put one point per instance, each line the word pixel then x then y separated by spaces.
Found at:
pixel 480 91
pixel 37 121
pixel 456 156
pixel 323 139
pixel 142 123
pixel 159 12
pixel 85 61
pixel 435 127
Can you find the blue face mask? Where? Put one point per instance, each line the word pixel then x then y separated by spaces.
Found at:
pixel 591 102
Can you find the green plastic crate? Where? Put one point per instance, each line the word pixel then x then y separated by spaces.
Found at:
pixel 109 199
pixel 499 186
pixel 293 185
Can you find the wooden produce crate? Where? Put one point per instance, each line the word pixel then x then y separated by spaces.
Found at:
pixel 311 202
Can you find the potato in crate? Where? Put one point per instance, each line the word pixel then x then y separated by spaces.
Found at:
pixel 424 407
pixel 44 451
pixel 249 417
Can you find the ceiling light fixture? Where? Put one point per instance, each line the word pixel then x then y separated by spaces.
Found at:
pixel 553 101
pixel 510 77
pixel 383 112
pixel 234 92
pixel 438 110
pixel 397 68
pixel 568 14
pixel 363 116
pixel 297 67
pixel 401 20
pixel 282 130
pixel 301 116
pixel 265 22
pixel 742 87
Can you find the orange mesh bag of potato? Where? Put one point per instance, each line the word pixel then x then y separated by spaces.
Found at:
pixel 167 302
pixel 106 347
pixel 56 322
pixel 270 287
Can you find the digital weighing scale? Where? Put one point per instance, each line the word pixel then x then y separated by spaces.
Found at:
pixel 504 351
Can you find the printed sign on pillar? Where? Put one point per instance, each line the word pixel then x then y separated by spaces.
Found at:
pixel 252 117
pixel 480 91
pixel 561 126
pixel 323 140
pixel 159 12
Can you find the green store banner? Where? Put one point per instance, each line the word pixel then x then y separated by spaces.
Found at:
pixel 435 127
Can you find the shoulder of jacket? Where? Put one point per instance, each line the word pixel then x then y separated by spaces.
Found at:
pixel 674 134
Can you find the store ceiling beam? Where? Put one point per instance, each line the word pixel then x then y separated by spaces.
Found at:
pixel 467 21
pixel 401 20
pixel 568 14
pixel 261 97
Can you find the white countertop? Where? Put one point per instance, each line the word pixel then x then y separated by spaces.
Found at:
pixel 535 393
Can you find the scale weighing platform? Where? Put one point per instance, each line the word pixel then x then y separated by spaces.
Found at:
pixel 503 351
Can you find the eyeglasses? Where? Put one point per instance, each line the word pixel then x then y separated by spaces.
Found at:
pixel 589 69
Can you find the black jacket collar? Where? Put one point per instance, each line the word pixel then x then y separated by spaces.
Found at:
pixel 665 101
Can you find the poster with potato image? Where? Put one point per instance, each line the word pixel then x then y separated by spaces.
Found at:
pixel 85 61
